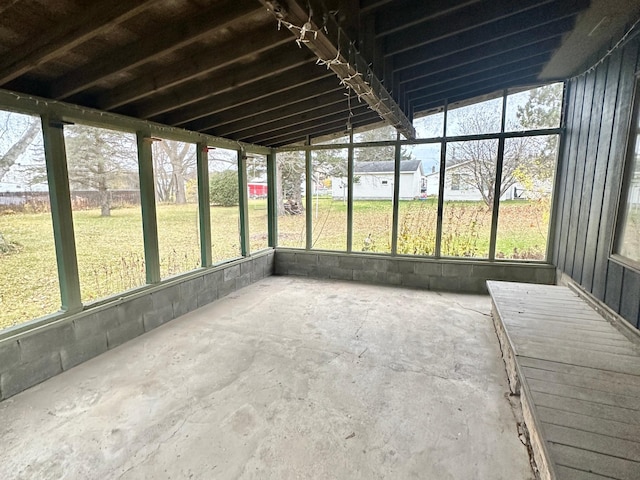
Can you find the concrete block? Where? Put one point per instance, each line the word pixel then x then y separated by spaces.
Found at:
pixel 281 268
pixel 227 287
pixel 28 374
pixel 340 273
pixel 328 260
pixel 135 308
pixel 190 289
pixel 231 272
pixel 45 341
pixel 243 281
pixel 259 267
pixel 489 272
pixel 352 263
pixel 366 276
pixel 306 258
pixel 157 317
pixel 545 275
pixel 392 278
pixel 516 273
pixel 184 305
pixel 472 285
pixel 213 279
pixel 161 299
pixel 428 269
pixel 207 296
pixel 413 280
pixel 406 266
pixel 247 267
pixel 450 284
pixel 270 265
pixel 285 258
pixel 456 269
pixel 83 350
pixel 9 354
pixel 124 332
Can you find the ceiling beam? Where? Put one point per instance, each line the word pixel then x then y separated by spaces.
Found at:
pixel 322 130
pixel 318 30
pixel 494 80
pixel 181 33
pixel 521 57
pixel 255 116
pixel 336 109
pixel 93 20
pixel 508 31
pixel 446 26
pixel 322 127
pixel 480 90
pixel 267 64
pixel 402 15
pixel 196 65
pixel 475 54
pixel 279 84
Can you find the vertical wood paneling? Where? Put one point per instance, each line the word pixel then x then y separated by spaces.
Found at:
pixel 589 171
pixel 560 197
pixel 602 161
pixel 589 176
pixel 573 132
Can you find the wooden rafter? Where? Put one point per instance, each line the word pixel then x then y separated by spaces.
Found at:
pixel 185 32
pixel 318 30
pixel 95 19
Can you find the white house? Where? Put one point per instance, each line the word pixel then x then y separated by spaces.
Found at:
pixel 374 180
pixel 459 185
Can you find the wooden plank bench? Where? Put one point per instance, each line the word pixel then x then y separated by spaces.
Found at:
pixel 578 377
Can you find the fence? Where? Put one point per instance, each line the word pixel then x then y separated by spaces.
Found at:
pixel 80 199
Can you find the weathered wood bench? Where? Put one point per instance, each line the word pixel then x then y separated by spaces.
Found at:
pixel 578 377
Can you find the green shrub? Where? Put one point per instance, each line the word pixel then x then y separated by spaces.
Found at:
pixel 223 188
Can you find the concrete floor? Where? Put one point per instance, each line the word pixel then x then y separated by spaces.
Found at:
pixel 288 378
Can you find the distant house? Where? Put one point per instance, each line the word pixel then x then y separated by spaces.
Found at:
pixel 459 185
pixel 374 180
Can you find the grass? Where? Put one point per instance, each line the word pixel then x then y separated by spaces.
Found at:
pixel 111 253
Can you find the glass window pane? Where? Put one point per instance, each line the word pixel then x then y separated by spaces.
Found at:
pixel 292 224
pixel 28 273
pixel 373 183
pixel 628 241
pixel 329 170
pixel 534 109
pixel 479 118
pixel 257 193
pixel 525 202
pixel 418 217
pixel 224 208
pixel 429 126
pixel 468 198
pixel 107 218
pixel 175 172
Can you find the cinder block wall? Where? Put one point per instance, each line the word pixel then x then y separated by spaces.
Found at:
pixel 31 356
pixel 456 275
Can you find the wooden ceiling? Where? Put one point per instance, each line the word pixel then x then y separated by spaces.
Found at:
pixel 223 67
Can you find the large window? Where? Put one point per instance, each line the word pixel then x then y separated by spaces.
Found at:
pixel 28 275
pixel 488 198
pixel 107 219
pixel 291 184
pixel 176 187
pixel 628 232
pixel 329 199
pixel 224 208
pixel 257 208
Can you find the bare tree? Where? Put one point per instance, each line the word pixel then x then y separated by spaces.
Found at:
pixel 100 159
pixel 174 163
pixel 25 131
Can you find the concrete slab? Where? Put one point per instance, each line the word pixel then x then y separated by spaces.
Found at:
pixel 287 378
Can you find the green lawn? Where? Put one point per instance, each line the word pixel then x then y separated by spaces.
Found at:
pixel 111 254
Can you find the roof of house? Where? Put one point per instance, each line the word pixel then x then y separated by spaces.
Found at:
pixel 450 167
pixel 387 166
